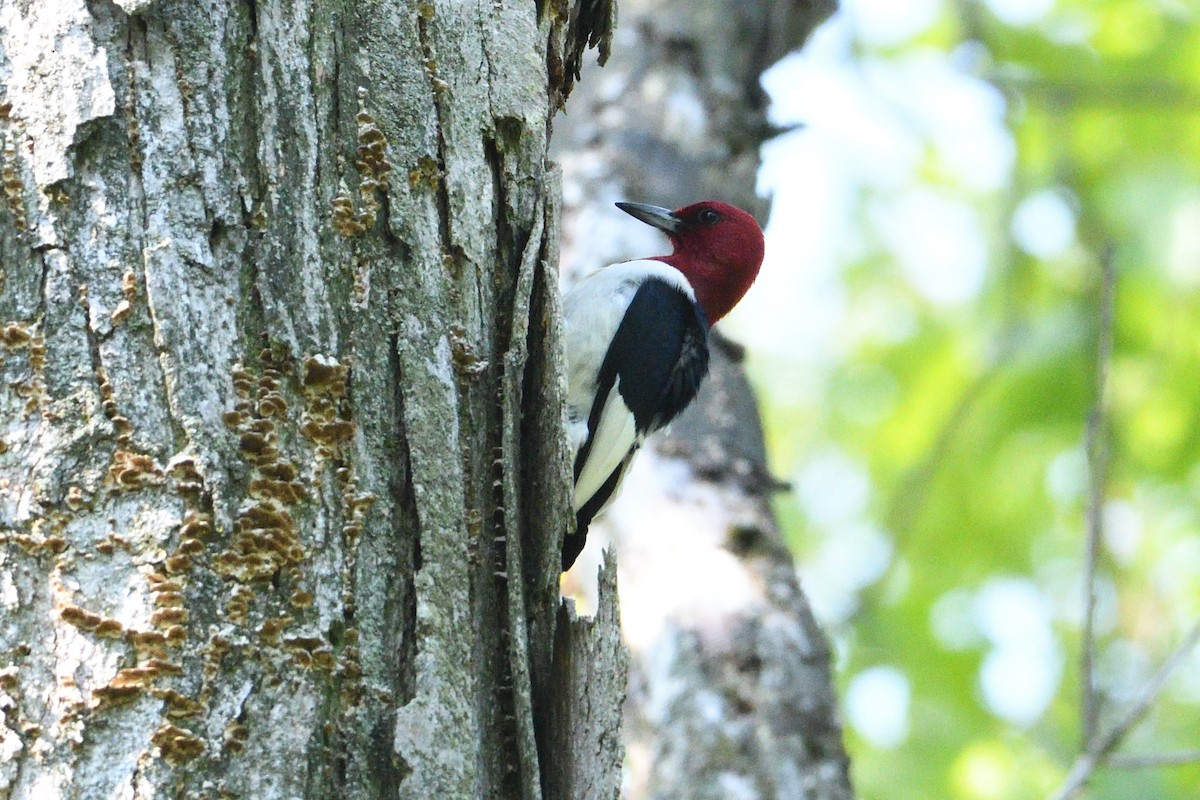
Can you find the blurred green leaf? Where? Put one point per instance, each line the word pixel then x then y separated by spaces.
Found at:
pixel 969 420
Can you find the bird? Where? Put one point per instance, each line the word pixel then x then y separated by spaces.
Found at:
pixel 636 341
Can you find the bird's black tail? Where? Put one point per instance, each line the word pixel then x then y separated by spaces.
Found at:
pixel 573 543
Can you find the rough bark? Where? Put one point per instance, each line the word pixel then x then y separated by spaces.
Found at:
pixel 730 689
pixel 281 464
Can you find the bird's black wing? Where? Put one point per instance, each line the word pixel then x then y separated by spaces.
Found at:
pixel 660 354
pixel 657 360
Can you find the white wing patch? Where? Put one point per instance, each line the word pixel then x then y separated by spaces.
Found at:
pixel 616 434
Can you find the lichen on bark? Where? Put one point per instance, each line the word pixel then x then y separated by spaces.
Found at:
pixel 278 287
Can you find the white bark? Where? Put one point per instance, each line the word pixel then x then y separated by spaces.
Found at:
pixel 278 288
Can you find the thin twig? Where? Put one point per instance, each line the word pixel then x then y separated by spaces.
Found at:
pixel 1071 94
pixel 1151 760
pixel 1097 459
pixel 1149 692
pixel 1093 757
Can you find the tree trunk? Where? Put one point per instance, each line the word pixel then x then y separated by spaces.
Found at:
pixel 282 475
pixel 730 689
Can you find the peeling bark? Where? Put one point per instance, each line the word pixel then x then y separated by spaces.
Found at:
pixel 282 475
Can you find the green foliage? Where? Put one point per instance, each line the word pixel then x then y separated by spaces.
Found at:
pixel 969 426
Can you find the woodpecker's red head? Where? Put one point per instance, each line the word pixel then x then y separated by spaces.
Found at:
pixel 718 248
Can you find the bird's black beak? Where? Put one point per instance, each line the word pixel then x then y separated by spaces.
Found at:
pixel 661 218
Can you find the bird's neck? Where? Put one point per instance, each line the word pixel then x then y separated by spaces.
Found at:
pixel 718 286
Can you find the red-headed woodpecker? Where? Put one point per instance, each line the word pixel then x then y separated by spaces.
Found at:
pixel 637 341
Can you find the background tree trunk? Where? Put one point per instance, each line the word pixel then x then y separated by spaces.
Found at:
pixel 730 689
pixel 281 464
pixel 278 281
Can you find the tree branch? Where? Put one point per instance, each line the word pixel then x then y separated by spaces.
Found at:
pixel 1097 457
pixel 1096 756
pixel 1152 760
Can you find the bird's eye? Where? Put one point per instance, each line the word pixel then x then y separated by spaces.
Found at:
pixel 708 217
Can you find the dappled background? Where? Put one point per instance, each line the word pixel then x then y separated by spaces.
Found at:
pixel 929 340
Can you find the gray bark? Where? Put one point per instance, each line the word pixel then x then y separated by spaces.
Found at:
pixel 282 473
pixel 730 690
